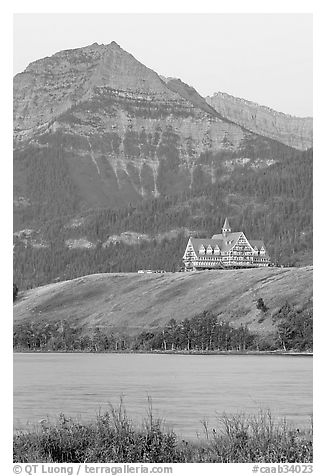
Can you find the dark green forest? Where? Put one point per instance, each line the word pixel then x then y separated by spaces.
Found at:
pixel 273 204
pixel 204 332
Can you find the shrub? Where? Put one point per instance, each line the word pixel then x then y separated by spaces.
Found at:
pixel 261 305
pixel 112 437
pixel 15 291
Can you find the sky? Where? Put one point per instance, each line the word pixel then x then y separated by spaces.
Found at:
pixel 265 58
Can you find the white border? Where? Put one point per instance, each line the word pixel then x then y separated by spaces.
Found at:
pixel 168 6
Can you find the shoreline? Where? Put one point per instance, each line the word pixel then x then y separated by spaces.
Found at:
pixel 115 437
pixel 173 352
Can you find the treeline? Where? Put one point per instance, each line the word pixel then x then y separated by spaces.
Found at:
pixel 204 332
pixel 294 327
pixel 35 267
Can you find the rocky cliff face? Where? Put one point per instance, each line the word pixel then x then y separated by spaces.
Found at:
pixel 293 131
pixel 93 127
pixel 51 86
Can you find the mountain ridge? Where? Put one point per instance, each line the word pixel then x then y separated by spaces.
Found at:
pixel 254 103
pixel 102 56
pixel 289 129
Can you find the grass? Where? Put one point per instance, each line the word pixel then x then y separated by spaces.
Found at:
pixel 113 437
pixel 131 303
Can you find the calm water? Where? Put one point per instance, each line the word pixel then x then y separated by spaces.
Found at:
pixel 185 389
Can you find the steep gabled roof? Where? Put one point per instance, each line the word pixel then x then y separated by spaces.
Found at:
pixel 230 236
pixel 259 244
pixel 226 225
pixel 225 244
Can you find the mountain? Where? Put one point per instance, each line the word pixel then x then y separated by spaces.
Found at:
pixel 294 131
pixel 95 128
pixel 115 166
pixel 134 303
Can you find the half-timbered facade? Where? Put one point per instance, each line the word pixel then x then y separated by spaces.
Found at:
pixel 225 250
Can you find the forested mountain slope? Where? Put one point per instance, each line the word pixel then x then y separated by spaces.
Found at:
pixel 274 205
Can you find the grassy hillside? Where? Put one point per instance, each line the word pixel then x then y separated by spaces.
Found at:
pixel 133 303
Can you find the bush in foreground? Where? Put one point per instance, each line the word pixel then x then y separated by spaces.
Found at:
pixel 114 438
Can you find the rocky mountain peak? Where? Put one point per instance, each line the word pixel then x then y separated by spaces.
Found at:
pixel 114 44
pixel 50 86
pixel 118 69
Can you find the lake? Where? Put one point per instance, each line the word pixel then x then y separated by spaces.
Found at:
pixel 185 389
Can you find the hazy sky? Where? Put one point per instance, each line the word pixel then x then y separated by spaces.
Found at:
pixel 266 58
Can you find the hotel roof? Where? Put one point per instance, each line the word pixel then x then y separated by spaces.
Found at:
pixel 225 243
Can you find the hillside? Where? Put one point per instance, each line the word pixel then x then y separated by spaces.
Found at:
pixel 133 303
